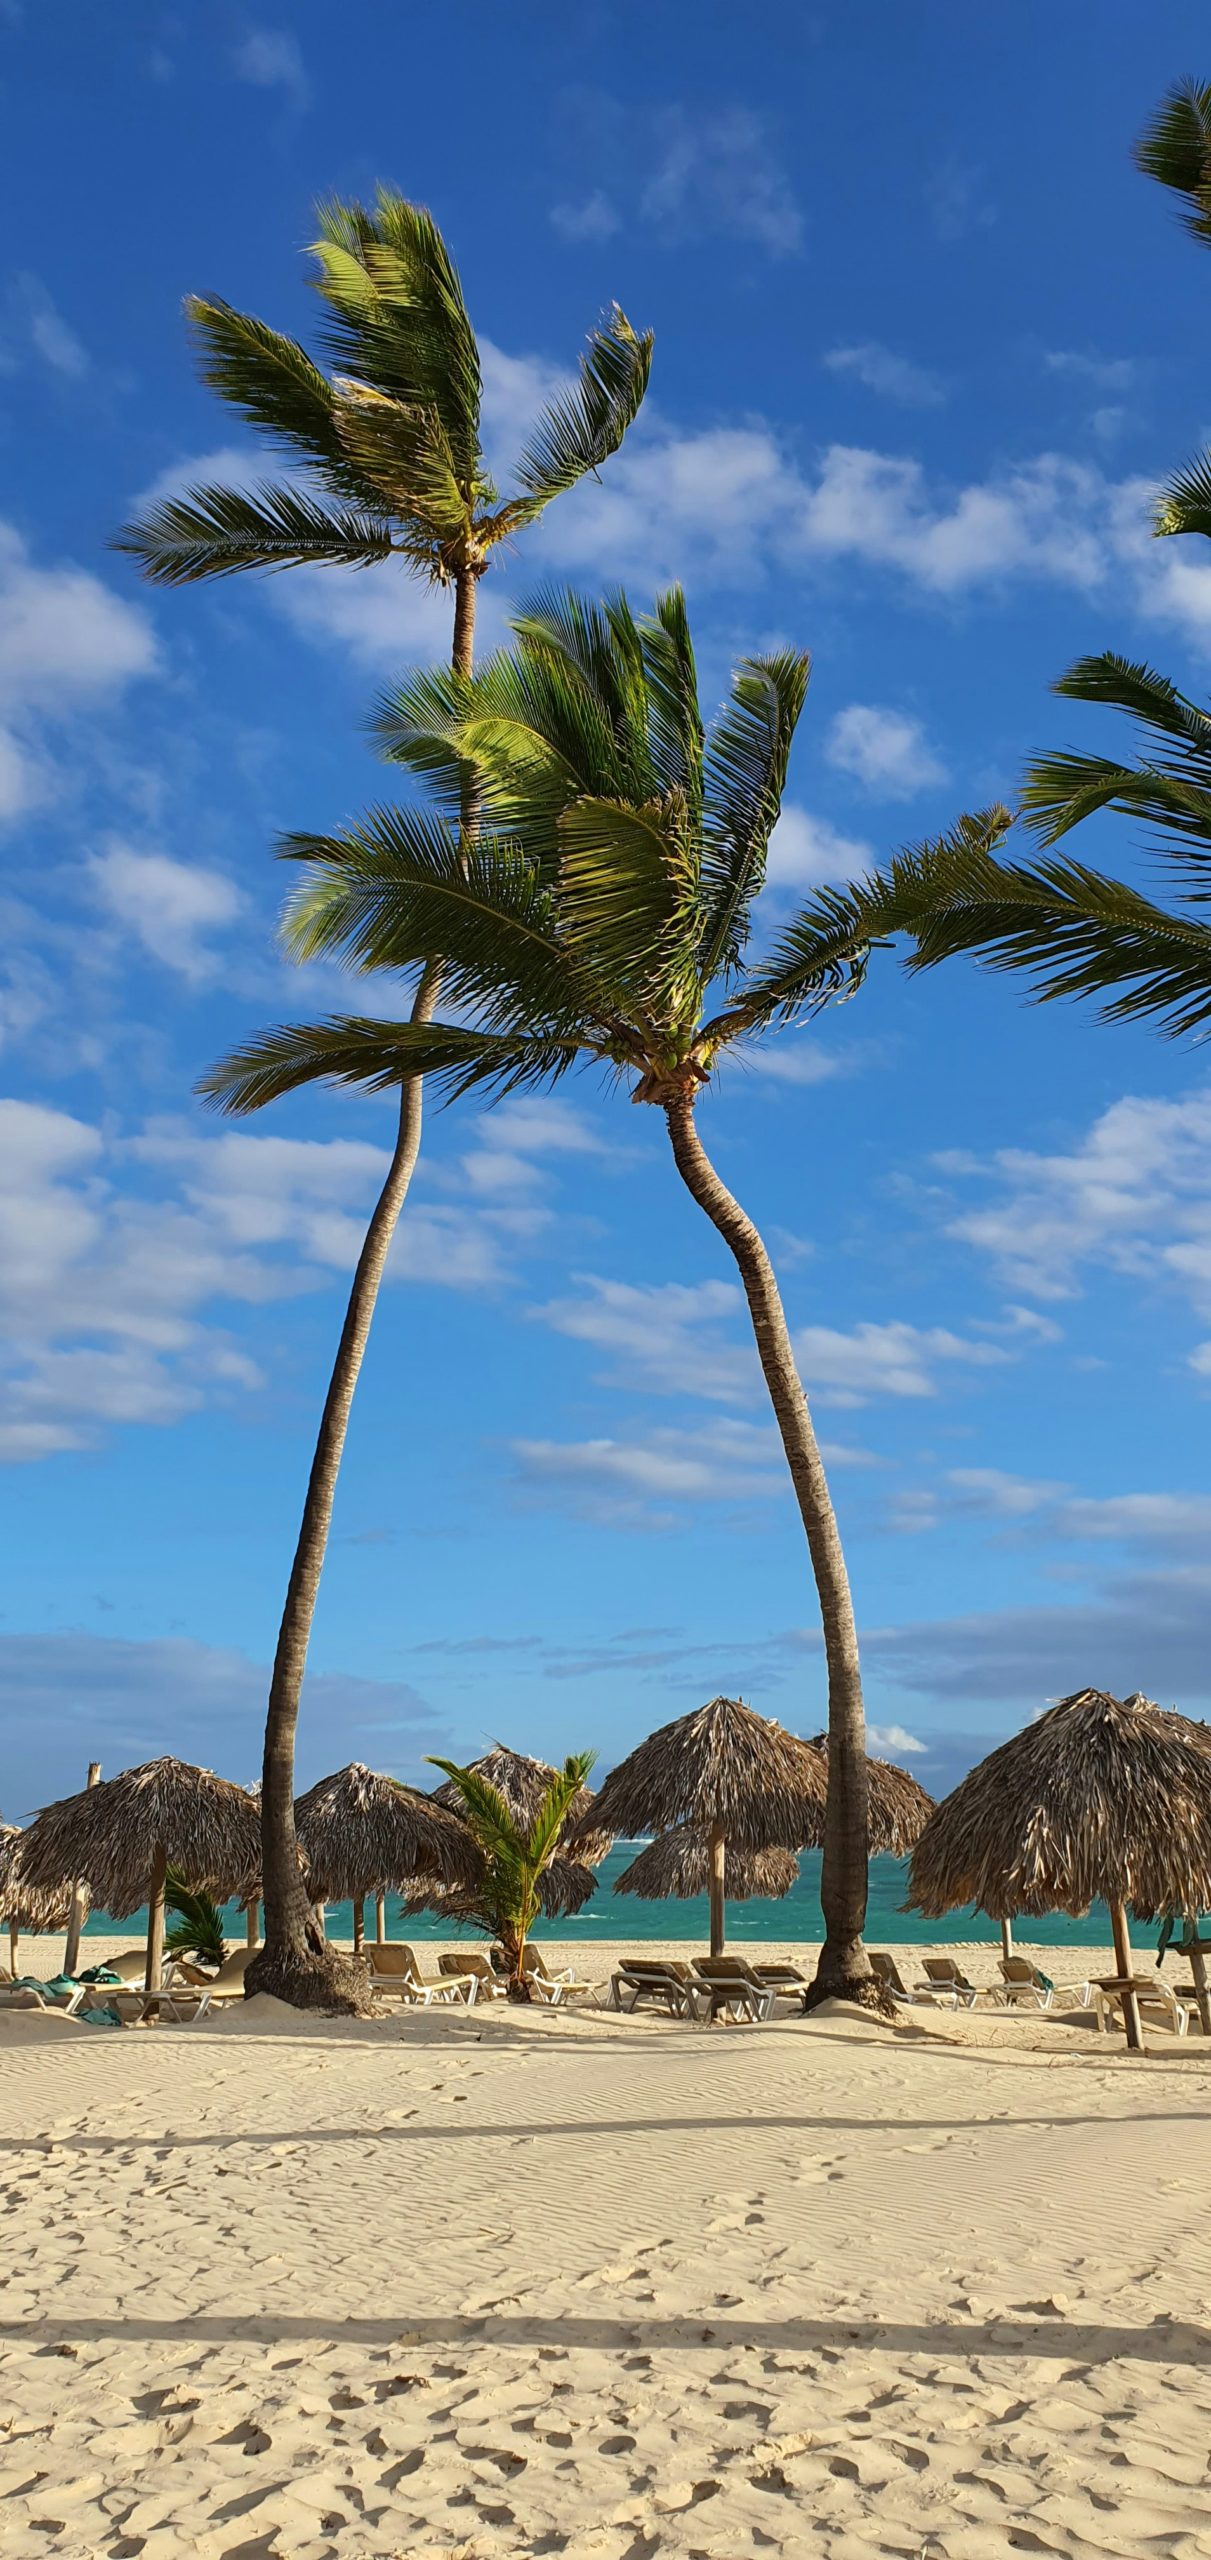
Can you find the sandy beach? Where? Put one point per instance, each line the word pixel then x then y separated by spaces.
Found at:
pixel 493 2284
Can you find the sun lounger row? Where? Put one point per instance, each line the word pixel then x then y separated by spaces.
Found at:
pixel 707 1987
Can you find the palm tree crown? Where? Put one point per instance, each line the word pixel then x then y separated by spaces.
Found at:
pixel 389 437
pixel 606 910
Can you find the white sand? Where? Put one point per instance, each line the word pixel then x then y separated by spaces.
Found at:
pixel 488 2284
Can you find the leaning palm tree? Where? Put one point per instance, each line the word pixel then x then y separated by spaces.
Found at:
pixel 516 1853
pixel 385 462
pixel 604 918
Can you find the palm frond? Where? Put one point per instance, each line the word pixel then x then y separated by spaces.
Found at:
pixel 553 1812
pixel 403 451
pixel 484 1808
pixel 674 721
pixel 1184 503
pixel 1175 149
pixel 272 381
pixel 397 318
pixel 210 533
pixel 1059 791
pixel 374 1056
pixel 579 432
pixel 747 755
pixel 197 1922
pixel 628 901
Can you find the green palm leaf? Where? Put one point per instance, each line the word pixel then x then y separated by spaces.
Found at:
pixel 1175 149
pixel 579 432
pixel 272 381
pixel 747 760
pixel 210 533
pixel 1184 503
pixel 372 1057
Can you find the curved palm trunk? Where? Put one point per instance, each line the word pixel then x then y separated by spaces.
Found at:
pixel 297 1963
pixel 843 1969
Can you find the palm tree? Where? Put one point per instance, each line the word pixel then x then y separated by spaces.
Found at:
pixel 385 462
pixel 516 1854
pixel 605 919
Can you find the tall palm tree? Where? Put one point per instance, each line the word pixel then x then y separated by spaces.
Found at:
pixel 385 462
pixel 516 1854
pixel 604 918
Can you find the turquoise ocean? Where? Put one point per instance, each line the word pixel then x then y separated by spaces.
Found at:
pixel 797 1916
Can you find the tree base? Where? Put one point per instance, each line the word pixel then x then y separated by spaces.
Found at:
pixel 862 1988
pixel 323 1979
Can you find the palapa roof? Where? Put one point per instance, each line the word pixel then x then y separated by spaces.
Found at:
pixel 21 1905
pixel 110 1835
pixel 899 1806
pixel 568 1882
pixel 363 1834
pixel 1102 1799
pixel 678 1866
pixel 723 1764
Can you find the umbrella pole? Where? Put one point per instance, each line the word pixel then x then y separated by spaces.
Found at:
pixel 1122 1958
pixel 1007 1937
pixel 718 1887
pixel 75 1917
pixel 14 1939
pixel 1198 1967
pixel 252 1922
pixel 380 1918
pixel 155 1924
pixel 359 1923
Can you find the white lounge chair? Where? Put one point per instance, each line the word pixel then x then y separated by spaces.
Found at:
pixel 1027 1986
pixel 396 1975
pixel 730 1986
pixel 670 1984
pixel 1157 2001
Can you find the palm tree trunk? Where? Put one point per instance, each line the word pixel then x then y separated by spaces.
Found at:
pixel 296 1962
pixel 843 1970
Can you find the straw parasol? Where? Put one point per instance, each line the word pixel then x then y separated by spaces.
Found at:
pixel 364 1834
pixel 1101 1799
pixel 22 1906
pixel 677 1867
pixel 567 1883
pixel 899 1806
pixel 120 1838
pixel 736 1776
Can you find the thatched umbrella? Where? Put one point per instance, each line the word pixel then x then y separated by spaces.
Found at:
pixel 364 1834
pixel 567 1883
pixel 121 1837
pixel 677 1867
pixel 1102 1799
pixel 22 1905
pixel 899 1806
pixel 735 1775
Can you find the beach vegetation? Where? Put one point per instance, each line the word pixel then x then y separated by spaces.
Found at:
pixel 516 1852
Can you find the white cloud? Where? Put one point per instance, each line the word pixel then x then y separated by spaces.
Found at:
pixel 63 636
pixel 31 318
pixel 892 1738
pixel 170 907
pixel 722 174
pixel 893 377
pixel 883 1360
pixel 797 1062
pixel 224 466
pixel 885 750
pixel 804 850
pixel 1002 1496
pixel 1167 1520
pixel 1134 1193
pixel 268 59
pixel 666 1336
pixel 590 217
pixel 1104 373
pixel 24 781
pixel 726 1461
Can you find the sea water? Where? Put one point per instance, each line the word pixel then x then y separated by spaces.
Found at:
pixel 797 1916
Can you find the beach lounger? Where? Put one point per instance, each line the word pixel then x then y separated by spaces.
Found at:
pixel 1158 2002
pixel 1025 1985
pixel 396 1975
pixel 25 1992
pixel 944 1975
pixel 179 2004
pixel 552 1988
pixel 887 1971
pixel 492 1985
pixel 730 1986
pixel 670 1985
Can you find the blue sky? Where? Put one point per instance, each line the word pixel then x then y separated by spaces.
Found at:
pixel 923 342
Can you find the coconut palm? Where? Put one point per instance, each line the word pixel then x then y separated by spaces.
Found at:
pixel 605 918
pixel 515 1853
pixel 385 462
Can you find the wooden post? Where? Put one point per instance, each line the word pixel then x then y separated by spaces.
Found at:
pixel 359 1923
pixel 14 1940
pixel 1198 1967
pixel 1007 1937
pixel 75 1917
pixel 252 1922
pixel 155 1924
pixel 1123 1961
pixel 380 1918
pixel 718 1887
